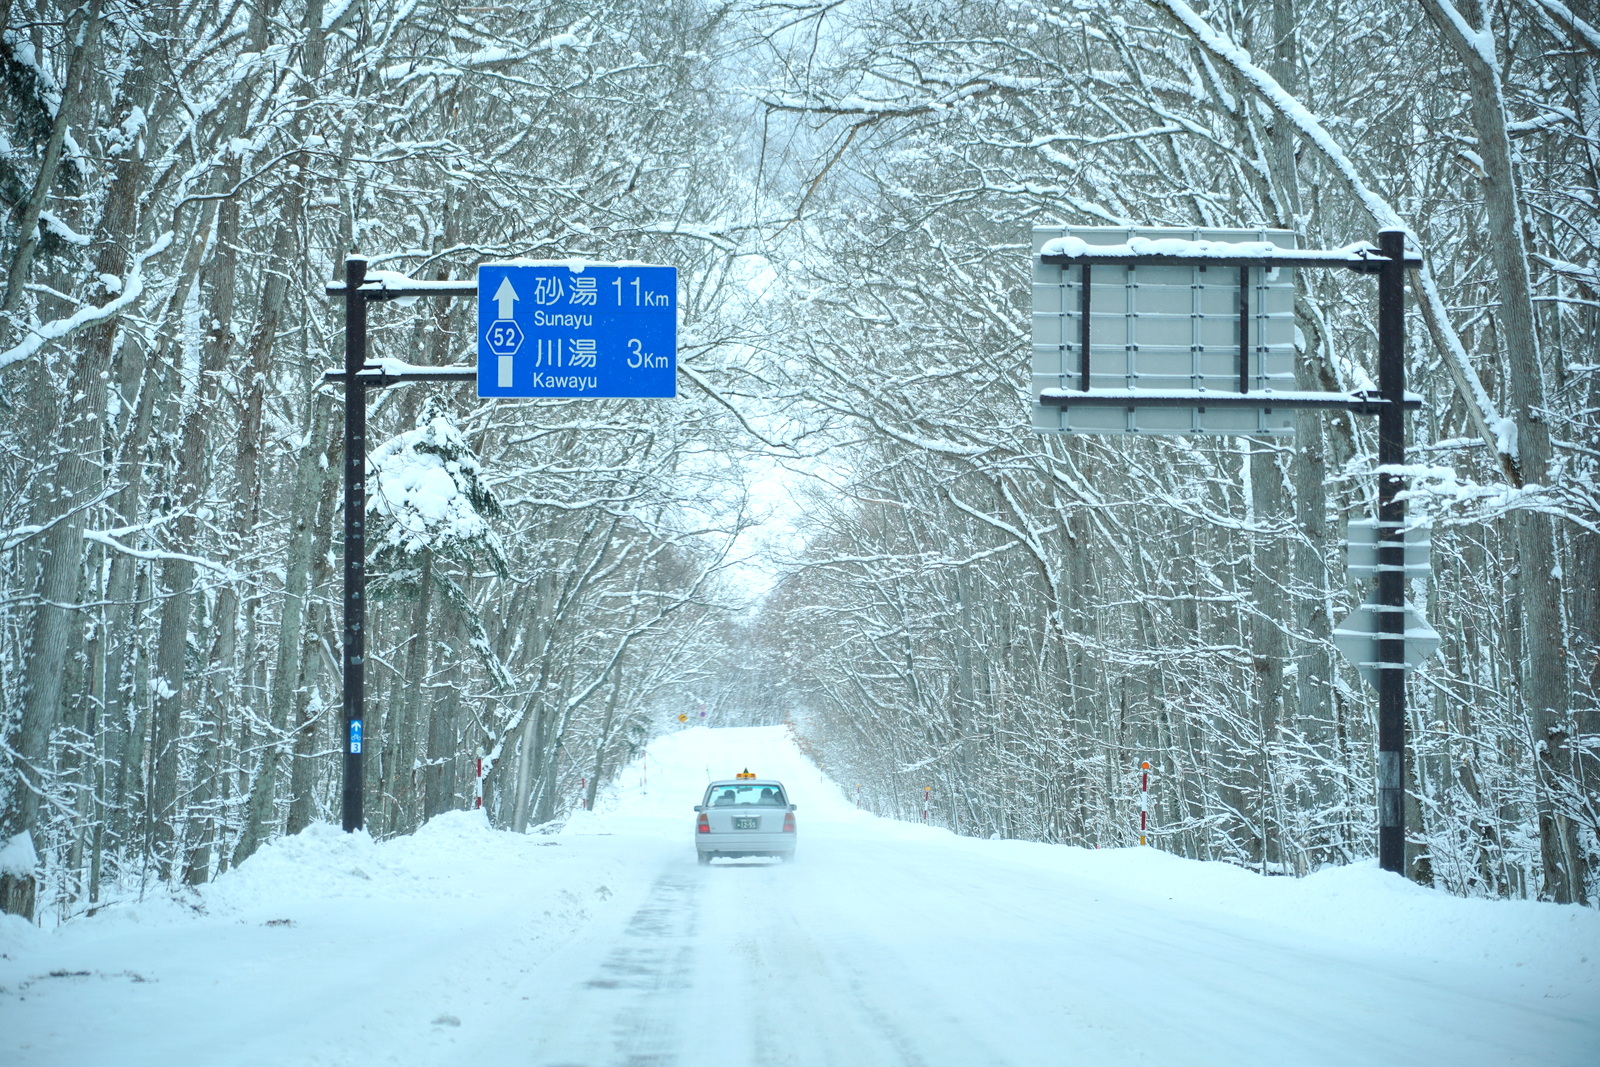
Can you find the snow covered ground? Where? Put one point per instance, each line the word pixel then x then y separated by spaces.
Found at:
pixel 886 943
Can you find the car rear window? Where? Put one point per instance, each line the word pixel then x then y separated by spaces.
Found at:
pixel 745 796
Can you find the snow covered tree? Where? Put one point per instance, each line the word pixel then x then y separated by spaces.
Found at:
pixel 425 488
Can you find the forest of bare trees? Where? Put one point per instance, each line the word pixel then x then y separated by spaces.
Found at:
pixel 1007 621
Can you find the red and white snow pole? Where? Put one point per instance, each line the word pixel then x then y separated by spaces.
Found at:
pixel 583 801
pixel 477 782
pixel 927 789
pixel 1144 798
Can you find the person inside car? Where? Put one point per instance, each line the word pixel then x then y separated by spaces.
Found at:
pixel 726 799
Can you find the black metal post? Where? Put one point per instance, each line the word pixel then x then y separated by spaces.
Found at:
pixel 1244 329
pixel 358 378
pixel 1083 333
pixel 355 546
pixel 1391 555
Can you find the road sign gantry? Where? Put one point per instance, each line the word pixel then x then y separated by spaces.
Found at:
pixel 1146 394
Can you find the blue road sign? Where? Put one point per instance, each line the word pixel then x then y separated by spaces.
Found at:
pixel 579 330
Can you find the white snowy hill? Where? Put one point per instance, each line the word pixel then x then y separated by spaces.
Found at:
pixel 887 943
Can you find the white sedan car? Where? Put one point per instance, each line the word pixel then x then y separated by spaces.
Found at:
pixel 744 816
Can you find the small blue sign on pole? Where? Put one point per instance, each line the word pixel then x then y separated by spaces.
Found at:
pixel 577 329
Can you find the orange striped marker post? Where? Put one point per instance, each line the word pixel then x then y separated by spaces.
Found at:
pixel 1144 797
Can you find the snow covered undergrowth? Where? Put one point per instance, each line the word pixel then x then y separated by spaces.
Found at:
pixel 886 943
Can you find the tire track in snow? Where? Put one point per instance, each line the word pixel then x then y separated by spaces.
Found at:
pixel 648 972
pixel 783 985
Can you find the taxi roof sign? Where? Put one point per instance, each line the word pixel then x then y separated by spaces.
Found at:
pixel 746 773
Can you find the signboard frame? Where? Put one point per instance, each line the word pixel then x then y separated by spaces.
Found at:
pixel 1162 331
pixel 1166 247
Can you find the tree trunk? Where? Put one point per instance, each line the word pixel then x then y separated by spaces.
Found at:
pixel 406 710
pixel 68 113
pixel 260 815
pixel 303 775
pixel 1544 683
pixel 445 753
pixel 1270 613
pixel 79 473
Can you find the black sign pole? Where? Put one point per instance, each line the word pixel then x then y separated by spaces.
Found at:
pixel 358 377
pixel 1391 555
pixel 355 553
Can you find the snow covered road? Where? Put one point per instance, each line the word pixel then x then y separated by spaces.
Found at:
pixel 884 944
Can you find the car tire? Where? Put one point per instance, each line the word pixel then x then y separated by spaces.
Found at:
pixel 703 858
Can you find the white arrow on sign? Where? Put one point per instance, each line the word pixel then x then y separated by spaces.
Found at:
pixel 505 296
pixel 1357 638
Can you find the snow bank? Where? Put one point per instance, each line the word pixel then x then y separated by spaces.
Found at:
pixel 1348 908
pixel 323 947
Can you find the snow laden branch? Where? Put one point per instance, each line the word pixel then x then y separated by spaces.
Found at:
pixel 103 538
pixel 1488 421
pixel 128 289
pixel 427 483
pixel 1583 34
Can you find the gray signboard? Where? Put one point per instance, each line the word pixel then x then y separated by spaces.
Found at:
pixel 1159 333
pixel 1358 635
pixel 1361 549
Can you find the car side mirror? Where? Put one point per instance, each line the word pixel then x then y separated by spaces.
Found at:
pixel 699 807
pixel 794 807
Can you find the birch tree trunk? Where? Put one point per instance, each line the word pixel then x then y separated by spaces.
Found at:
pixel 445 751
pixel 309 472
pixel 410 699
pixel 303 770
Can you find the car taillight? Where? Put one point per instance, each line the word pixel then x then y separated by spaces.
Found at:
pixel 788 822
pixel 703 824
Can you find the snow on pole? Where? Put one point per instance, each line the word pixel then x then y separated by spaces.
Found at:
pixel 1144 798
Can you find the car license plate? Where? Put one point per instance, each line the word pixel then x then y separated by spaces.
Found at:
pixel 747 822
